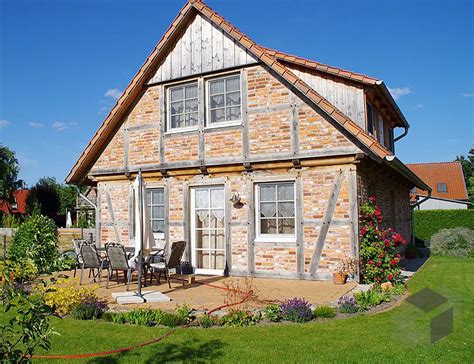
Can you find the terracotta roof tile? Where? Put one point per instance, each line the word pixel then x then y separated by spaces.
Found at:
pixel 449 173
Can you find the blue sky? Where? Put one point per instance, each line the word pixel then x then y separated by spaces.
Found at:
pixel 63 63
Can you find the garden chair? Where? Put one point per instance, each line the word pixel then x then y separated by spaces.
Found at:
pixel 92 260
pixel 76 244
pixel 173 260
pixel 119 261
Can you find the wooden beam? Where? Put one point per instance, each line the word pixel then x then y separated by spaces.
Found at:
pixel 161 141
pixel 300 225
pixel 251 228
pixel 354 216
pixel 294 124
pixel 245 121
pixel 228 228
pixel 319 244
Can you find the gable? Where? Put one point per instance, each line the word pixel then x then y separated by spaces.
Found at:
pixel 203 47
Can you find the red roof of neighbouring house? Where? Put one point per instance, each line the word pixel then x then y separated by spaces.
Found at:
pixel 17 207
pixel 439 173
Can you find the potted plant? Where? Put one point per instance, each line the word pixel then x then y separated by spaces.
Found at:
pixel 347 267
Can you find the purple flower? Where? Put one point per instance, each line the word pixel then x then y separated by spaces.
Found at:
pixel 297 310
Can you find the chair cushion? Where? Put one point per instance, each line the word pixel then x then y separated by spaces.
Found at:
pixel 160 265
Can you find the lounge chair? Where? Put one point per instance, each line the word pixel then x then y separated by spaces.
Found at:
pixel 92 260
pixel 173 260
pixel 119 260
pixel 76 244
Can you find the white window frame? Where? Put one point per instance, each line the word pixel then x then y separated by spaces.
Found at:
pixel 157 235
pixel 221 124
pixel 169 129
pixel 283 238
pixel 380 133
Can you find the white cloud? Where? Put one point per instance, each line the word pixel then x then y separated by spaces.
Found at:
pixel 113 93
pixel 398 92
pixel 419 106
pixel 36 125
pixel 4 123
pixel 61 126
pixel 468 94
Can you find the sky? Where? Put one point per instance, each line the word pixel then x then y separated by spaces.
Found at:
pixel 63 64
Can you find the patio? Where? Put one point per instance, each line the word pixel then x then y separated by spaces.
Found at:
pixel 208 292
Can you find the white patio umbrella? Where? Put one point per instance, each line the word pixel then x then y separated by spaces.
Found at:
pixel 68 219
pixel 144 239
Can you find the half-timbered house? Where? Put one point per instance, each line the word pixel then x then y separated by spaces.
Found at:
pixel 260 160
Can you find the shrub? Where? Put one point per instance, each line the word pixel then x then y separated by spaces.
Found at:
pixel 184 313
pixel 11 221
pixel 148 317
pixel 296 310
pixel 272 313
pixel 347 304
pixel 368 299
pixel 324 311
pixel 206 321
pixel 65 294
pixel 37 240
pixel 91 308
pixel 239 318
pixel 429 222
pixel 19 272
pixel 378 247
pixel 458 242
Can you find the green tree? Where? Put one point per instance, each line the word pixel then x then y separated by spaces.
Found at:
pixel 44 198
pixel 9 169
pixel 467 164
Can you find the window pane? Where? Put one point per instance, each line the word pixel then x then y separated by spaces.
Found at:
pixel 191 105
pixel 217 115
pixel 268 226
pixel 176 107
pixel 148 197
pixel 286 209
pixel 267 192
pixel 286 226
pixel 216 87
pixel 217 101
pixel 202 219
pixel 177 121
pixel 233 83
pixel 286 192
pixel 202 198
pixel 217 197
pixel 157 197
pixel 267 209
pixel 191 119
pixel 176 94
pixel 191 91
pixel 217 239
pixel 233 113
pixel 232 99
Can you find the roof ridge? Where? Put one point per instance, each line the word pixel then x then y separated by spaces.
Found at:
pixel 421 163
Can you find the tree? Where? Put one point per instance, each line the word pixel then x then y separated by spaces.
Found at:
pixel 9 169
pixel 44 198
pixel 467 164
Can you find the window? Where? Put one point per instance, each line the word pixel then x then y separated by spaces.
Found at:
pixel 156 209
pixel 15 203
pixel 276 210
pixel 442 187
pixel 183 106
pixel 380 133
pixel 370 119
pixel 224 100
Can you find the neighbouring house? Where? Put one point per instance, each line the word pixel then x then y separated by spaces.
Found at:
pixel 17 206
pixel 258 159
pixel 446 180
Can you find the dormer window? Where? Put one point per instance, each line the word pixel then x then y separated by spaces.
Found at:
pixel 370 119
pixel 442 187
pixel 183 106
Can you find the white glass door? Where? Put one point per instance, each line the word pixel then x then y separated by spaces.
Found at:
pixel 207 229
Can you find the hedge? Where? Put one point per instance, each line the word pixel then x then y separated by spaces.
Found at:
pixel 429 222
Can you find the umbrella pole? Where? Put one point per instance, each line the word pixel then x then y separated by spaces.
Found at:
pixel 140 210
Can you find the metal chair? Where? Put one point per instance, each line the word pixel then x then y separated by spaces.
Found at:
pixel 173 260
pixel 119 260
pixel 76 244
pixel 92 260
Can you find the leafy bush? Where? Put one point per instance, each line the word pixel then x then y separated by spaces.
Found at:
pixel 206 321
pixel 324 311
pixel 20 272
pixel 429 222
pixel 37 240
pixel 296 310
pixel 458 242
pixel 378 247
pixel 272 313
pixel 11 221
pixel 91 308
pixel 148 317
pixel 239 318
pixel 64 294
pixel 370 298
pixel 347 304
pixel 184 313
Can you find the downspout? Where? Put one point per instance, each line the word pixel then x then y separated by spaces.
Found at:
pixel 413 207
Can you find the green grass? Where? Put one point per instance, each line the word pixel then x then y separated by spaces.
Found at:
pixel 398 335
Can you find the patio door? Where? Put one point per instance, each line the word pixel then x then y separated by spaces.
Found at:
pixel 208 229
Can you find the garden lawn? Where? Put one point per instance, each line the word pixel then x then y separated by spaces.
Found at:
pixel 399 335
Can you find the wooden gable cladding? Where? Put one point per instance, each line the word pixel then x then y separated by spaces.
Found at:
pixel 202 47
pixel 347 97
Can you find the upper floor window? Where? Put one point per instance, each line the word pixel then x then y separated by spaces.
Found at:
pixel 442 187
pixel 183 106
pixel 224 100
pixel 275 210
pixel 370 119
pixel 380 130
